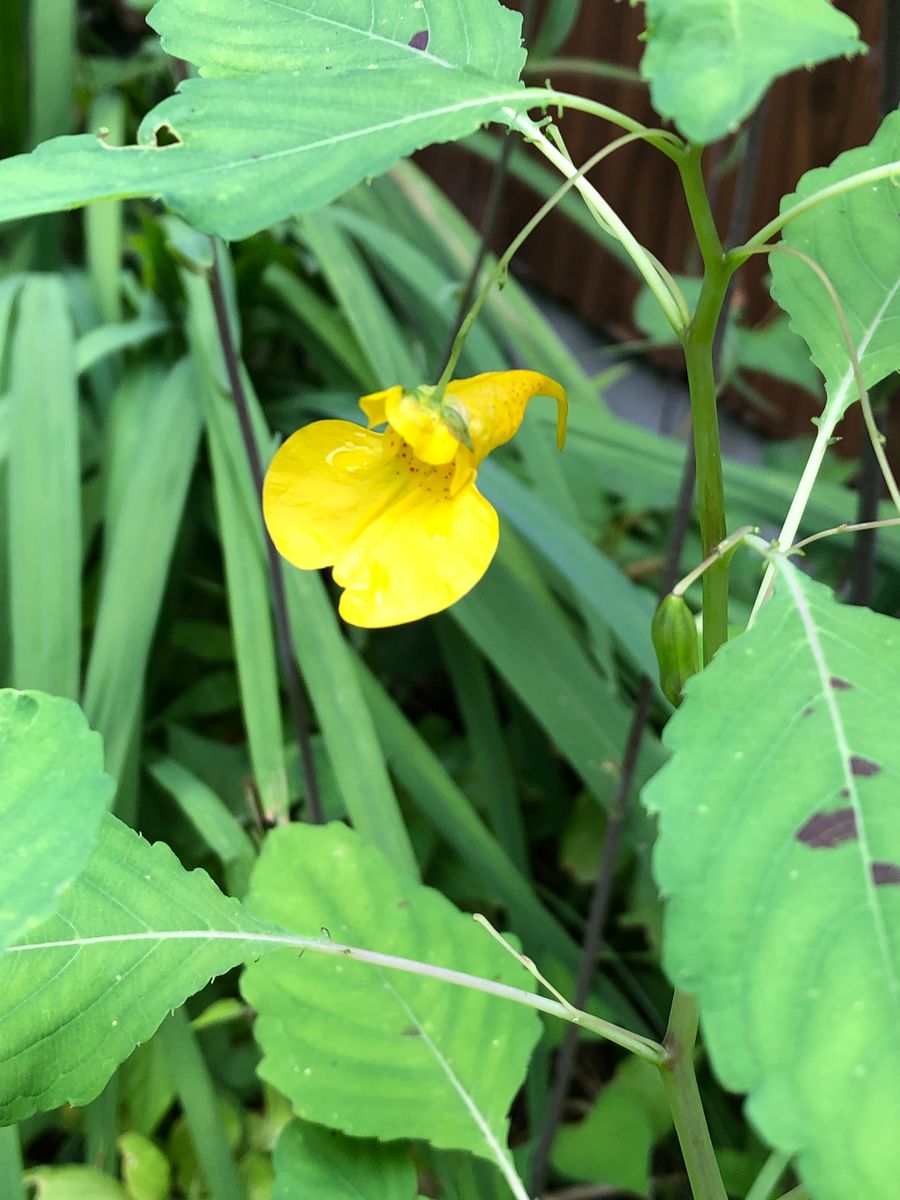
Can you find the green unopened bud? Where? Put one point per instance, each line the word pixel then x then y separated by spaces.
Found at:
pixel 675 641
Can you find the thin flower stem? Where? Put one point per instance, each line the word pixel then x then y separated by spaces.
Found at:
pixel 857 527
pixel 639 256
pixel 502 264
pixel 683 1094
pixel 643 1047
pixel 767 1180
pixel 289 666
pixel 833 414
pixel 851 183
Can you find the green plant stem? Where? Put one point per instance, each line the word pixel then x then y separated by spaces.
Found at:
pixel 643 1047
pixel 698 342
pixel 683 1095
pixel 766 1181
pixel 12 1186
pixel 611 221
pixel 768 231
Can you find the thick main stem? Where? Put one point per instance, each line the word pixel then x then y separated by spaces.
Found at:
pixel 698 341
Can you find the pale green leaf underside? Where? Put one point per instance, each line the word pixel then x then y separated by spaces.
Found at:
pixel 320 1163
pixel 364 1051
pixel 855 239
pixel 302 99
pixel 237 37
pixel 53 793
pixel 709 62
pixel 70 1014
pixel 779 852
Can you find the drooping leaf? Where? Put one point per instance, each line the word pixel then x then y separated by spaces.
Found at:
pixel 53 793
pixel 242 148
pixel 310 1161
pixel 71 1012
pixel 853 238
pixel 710 62
pixel 779 852
pixel 376 1053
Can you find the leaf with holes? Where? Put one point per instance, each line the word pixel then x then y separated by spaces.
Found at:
pixel 72 1008
pixel 53 796
pixel 855 239
pixel 310 1161
pixel 710 63
pixel 371 1052
pixel 779 853
pixel 297 102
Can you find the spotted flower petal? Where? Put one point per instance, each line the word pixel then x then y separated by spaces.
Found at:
pixel 401 541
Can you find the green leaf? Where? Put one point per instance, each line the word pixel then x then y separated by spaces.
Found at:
pixel 853 238
pixel 709 63
pixel 383 79
pixel 240 37
pixel 611 1145
pixel 317 1162
pixel 779 852
pixel 44 493
pixel 71 1011
pixel 371 1053
pixel 53 795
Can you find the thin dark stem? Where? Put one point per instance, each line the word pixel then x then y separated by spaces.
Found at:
pixel 296 702
pixel 599 906
pixel 890 57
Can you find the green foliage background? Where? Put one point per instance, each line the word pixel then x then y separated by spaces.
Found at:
pixel 475 755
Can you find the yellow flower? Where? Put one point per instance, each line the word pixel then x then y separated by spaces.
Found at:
pixel 397 515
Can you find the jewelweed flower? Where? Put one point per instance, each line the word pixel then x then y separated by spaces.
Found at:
pixel 397 515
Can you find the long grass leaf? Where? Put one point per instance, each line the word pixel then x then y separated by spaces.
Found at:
pixel 136 561
pixel 241 532
pixel 202 1111
pixel 44 512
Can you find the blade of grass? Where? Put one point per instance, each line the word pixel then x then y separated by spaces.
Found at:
pixel 360 300
pixel 51 42
pixel 490 756
pixel 13 90
pixel 103 228
pixel 330 671
pixel 241 533
pixel 443 804
pixel 212 819
pixel 324 320
pixel 44 513
pixel 553 678
pixel 601 588
pixel 201 1108
pixel 158 465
